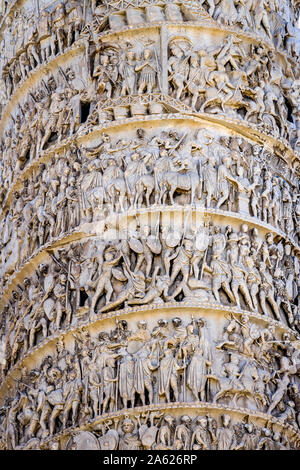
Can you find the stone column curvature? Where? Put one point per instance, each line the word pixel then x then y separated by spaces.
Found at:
pixel 149 291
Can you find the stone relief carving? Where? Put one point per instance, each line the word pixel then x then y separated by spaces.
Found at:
pixel 207 264
pixel 90 183
pixel 173 362
pixel 71 69
pixel 160 431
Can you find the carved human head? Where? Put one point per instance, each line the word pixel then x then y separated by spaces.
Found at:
pixel 226 420
pixel 51 84
pixel 55 374
pixel 188 244
pixel 176 322
pixel 269 238
pixel 63 278
pixel 130 55
pixel 141 133
pixel 104 60
pixel 123 325
pixel 249 427
pixel 146 230
pixel 194 60
pixel 201 421
pixel 169 420
pixel 14 295
pixel 266 432
pixel 142 325
pixel 72 374
pixel 147 53
pixel 127 426
pixel 176 51
pixel 244 319
pixel 190 329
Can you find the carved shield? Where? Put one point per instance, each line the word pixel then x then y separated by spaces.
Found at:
pixel 109 441
pixel 154 244
pixel 136 245
pixel 149 437
pixel 49 308
pixel 86 441
pixel 49 282
pixel 118 274
pixel 172 240
pixel 56 397
pixel 201 242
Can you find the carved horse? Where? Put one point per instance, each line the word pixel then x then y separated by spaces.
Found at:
pixel 245 388
pixel 117 187
pixel 145 183
pixel 174 181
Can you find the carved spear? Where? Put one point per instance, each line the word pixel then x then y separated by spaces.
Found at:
pixel 117 385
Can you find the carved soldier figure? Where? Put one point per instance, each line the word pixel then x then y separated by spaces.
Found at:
pixel 109 384
pixel 182 434
pixel 148 72
pixel 168 374
pixel 221 276
pixel 127 72
pixel 144 366
pixel 225 436
pixel 74 20
pixel 44 35
pixel 178 69
pixel 72 393
pixel 103 283
pixel 129 439
pixel 31 36
pixel 58 25
pixel 201 436
pixel 267 292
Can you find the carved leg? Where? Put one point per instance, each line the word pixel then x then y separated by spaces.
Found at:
pixel 254 292
pixel 227 290
pixel 216 285
pixel 67 409
pixel 56 411
pixel 262 298
pixel 75 406
pixel 176 270
pixel 274 305
pixel 223 199
pixel 245 292
pixel 148 195
pixel 235 289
